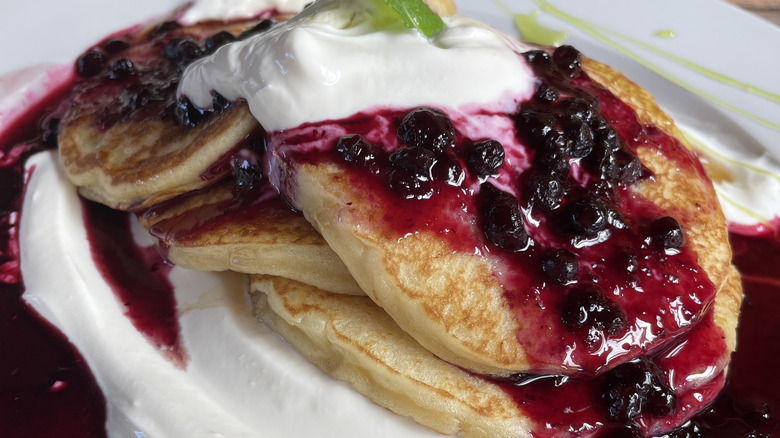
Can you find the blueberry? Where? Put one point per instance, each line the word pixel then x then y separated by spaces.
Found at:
pixel 188 114
pixel 50 131
pixel 258 142
pixel 545 94
pixel 258 28
pixel 415 159
pixel 586 216
pixel 604 136
pixel 356 149
pixel 485 158
pixel 183 50
pixel 667 233
pixel 503 221
pixel 540 61
pixel 556 161
pixel 122 69
pixel 568 60
pixel 220 104
pixel 637 387
pixel 428 128
pixel 546 190
pixel 247 172
pixel 535 124
pixel 165 27
pixel 217 40
pixel 577 108
pixel 90 64
pixel 560 266
pixel 587 312
pixel 448 170
pixel 579 138
pixel 621 166
pixel 115 45
pixel 408 185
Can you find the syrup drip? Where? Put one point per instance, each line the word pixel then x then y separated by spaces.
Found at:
pixel 46 387
pixel 138 276
pixel 48 391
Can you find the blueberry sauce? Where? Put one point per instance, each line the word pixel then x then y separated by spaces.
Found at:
pixel 133 75
pixel 48 391
pixel 138 277
pixel 576 200
pixel 46 387
pixel 576 196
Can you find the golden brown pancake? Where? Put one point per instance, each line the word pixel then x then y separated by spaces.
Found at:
pixel 217 229
pixel 452 299
pixel 352 339
pixel 120 140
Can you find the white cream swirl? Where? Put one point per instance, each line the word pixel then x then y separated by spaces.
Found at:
pixel 242 380
pixel 331 64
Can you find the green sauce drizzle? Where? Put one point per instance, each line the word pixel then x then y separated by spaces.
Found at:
pixel 600 33
pixel 666 33
pixel 531 31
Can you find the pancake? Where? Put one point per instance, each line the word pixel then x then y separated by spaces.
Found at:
pixel 352 339
pixel 628 256
pixel 125 138
pixel 216 229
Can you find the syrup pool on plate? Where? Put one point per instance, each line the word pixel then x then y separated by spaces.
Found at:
pixel 65 386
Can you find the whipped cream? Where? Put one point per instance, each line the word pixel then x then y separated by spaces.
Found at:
pixel 242 380
pixel 233 9
pixel 333 63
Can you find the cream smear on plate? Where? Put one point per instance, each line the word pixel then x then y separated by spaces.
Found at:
pixel 242 380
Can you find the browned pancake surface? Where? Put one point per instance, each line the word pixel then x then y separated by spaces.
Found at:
pixel 452 302
pixel 216 229
pixel 352 339
pixel 120 140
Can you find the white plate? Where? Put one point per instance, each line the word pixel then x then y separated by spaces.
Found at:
pixel 714 35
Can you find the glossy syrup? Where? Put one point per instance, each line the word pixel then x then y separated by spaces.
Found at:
pixel 46 387
pixel 138 276
pixel 454 213
pixel 47 390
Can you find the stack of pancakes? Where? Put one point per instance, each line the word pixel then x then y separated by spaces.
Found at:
pixel 420 328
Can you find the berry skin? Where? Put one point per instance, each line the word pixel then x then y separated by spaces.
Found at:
pixel 590 314
pixel 122 69
pixel 568 60
pixel 667 234
pixel 485 158
pixel 586 216
pixel 560 266
pixel 635 388
pixel 408 185
pixel 503 221
pixel 90 64
pixel 188 114
pixel 217 40
pixel 416 160
pixel 546 190
pixel 448 170
pixel 356 149
pixel 427 128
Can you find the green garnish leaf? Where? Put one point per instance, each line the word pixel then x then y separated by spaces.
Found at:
pixel 531 31
pixel 417 15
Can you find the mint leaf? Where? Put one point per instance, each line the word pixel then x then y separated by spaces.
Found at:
pixel 417 15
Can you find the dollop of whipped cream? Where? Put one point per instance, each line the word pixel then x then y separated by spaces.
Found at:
pixel 333 61
pixel 241 380
pixel 233 9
